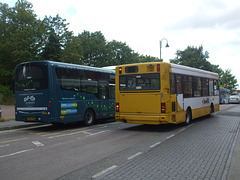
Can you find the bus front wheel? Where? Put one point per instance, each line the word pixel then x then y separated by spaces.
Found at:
pixel 188 117
pixel 89 117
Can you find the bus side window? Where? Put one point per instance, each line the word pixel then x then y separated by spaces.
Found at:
pixel 89 82
pixel 172 84
pixel 179 84
pixel 211 87
pixel 112 87
pixel 68 79
pixel 197 86
pixel 103 80
pixel 216 89
pixel 103 89
pixel 187 86
pixel 205 87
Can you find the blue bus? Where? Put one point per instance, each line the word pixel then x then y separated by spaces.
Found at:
pixel 47 91
pixel 224 95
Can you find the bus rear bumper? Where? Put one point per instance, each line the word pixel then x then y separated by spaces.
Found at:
pixel 143 119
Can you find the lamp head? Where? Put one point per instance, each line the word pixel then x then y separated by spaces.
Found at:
pixel 167 45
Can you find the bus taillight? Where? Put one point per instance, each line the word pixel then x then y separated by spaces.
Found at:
pixel 117 107
pixel 163 108
pixel 120 70
pixel 158 68
pixel 49 106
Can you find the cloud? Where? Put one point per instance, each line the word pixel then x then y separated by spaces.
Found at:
pixel 210 14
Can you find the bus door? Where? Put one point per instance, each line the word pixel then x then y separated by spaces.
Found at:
pixel 180 103
pixel 103 99
pixel 179 94
pixel 176 92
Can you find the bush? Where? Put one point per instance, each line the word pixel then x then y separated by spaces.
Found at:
pixel 6 95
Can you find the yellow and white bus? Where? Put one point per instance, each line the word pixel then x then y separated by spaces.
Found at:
pixel 162 93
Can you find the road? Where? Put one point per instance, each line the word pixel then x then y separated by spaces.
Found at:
pixel 78 152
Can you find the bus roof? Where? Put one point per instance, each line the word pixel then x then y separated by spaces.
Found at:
pixel 186 70
pixel 181 69
pixel 72 66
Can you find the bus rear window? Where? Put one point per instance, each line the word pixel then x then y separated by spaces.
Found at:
pixel 31 77
pixel 139 82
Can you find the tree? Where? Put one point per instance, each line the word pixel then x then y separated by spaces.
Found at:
pixel 228 80
pixel 73 52
pixel 19 34
pixel 94 48
pixel 146 58
pixel 120 53
pixel 55 38
pixel 193 57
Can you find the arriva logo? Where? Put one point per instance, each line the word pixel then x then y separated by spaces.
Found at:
pixel 29 99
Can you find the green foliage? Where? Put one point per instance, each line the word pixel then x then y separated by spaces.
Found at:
pixel 94 48
pixel 228 80
pixel 18 34
pixel 120 53
pixel 55 38
pixel 193 57
pixel 6 94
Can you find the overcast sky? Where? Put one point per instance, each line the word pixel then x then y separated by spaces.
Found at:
pixel 214 24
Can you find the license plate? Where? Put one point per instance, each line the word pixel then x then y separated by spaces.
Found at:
pixel 31 118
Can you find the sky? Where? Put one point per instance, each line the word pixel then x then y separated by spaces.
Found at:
pixel 142 24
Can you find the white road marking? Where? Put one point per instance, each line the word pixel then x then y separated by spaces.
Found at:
pixel 135 155
pixel 78 132
pixel 37 143
pixel 104 171
pixel 5 145
pixel 93 134
pixel 19 152
pixel 171 136
pixel 154 144
pixel 182 130
pixel 69 134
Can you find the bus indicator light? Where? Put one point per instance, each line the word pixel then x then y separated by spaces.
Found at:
pixel 117 107
pixel 163 108
pixel 158 68
pixel 120 70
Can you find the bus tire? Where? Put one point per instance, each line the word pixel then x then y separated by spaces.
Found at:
pixel 211 109
pixel 188 118
pixel 89 117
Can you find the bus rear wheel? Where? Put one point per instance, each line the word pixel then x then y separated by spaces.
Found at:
pixel 211 109
pixel 89 117
pixel 188 117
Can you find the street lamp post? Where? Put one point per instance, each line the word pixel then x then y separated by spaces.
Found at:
pixel 161 47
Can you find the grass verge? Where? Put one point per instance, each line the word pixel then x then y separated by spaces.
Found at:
pixel 5 120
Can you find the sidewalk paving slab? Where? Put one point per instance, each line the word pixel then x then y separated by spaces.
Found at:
pixel 200 152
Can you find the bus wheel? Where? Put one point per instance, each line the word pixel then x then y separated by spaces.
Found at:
pixel 211 109
pixel 89 117
pixel 188 117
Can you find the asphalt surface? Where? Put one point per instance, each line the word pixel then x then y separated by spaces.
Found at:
pixel 215 154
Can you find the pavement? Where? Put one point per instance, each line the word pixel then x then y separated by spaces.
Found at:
pixel 217 154
pixel 9 125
